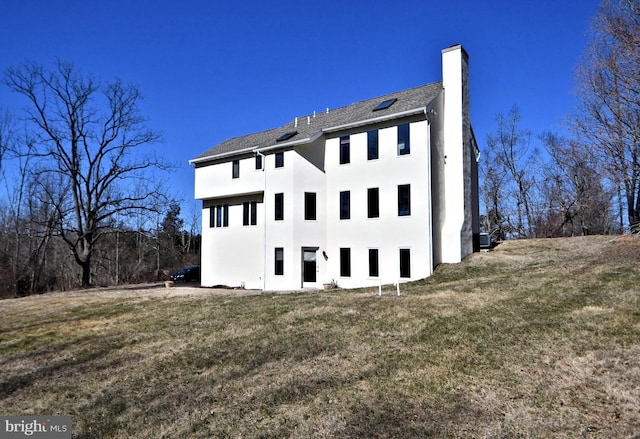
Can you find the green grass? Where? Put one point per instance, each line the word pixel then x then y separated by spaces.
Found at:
pixel 538 338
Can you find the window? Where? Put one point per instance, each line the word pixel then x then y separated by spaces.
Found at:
pixel 372 145
pixel 249 214
pixel 235 169
pixel 279 207
pixel 219 215
pixel 279 159
pixel 373 202
pixel 404 147
pixel 373 262
pixel 345 205
pixel 345 150
pixel 279 262
pixel 258 161
pixel 345 262
pixel 254 213
pixel 385 104
pixel 405 262
pixel 225 215
pixel 286 136
pixel 404 200
pixel 310 205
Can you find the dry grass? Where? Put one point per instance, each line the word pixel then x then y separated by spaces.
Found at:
pixel 538 338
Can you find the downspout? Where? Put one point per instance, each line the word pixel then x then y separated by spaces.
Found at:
pixel 264 208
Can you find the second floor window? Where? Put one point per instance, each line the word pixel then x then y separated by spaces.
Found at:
pixel 373 202
pixel 404 199
pixel 345 205
pixel 279 207
pixel 310 205
pixel 345 150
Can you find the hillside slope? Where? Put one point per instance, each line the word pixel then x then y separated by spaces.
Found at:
pixel 537 338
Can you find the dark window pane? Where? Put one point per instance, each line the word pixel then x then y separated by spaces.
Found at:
pixel 385 104
pixel 373 203
pixel 235 169
pixel 404 147
pixel 309 205
pixel 279 261
pixel 254 213
pixel 225 215
pixel 404 200
pixel 258 161
pixel 245 213
pixel 373 262
pixel 405 262
pixel 286 136
pixel 279 207
pixel 345 205
pixel 372 145
pixel 345 150
pixel 212 216
pixel 218 216
pixel 345 262
pixel 279 159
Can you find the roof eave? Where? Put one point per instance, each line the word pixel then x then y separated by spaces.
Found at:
pixel 256 149
pixel 375 120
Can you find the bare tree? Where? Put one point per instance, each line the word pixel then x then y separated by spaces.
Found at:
pixel 608 120
pixel 495 219
pixel 88 136
pixel 575 199
pixel 512 157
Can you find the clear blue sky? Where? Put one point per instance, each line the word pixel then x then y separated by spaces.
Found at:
pixel 211 70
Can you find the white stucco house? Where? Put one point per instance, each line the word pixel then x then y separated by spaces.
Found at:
pixel 382 190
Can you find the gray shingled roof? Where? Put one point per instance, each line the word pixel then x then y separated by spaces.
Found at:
pixel 407 100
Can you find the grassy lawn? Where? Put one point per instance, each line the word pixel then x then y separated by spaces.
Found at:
pixel 537 338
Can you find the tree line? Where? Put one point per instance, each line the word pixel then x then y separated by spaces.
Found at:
pixel 85 204
pixel 547 185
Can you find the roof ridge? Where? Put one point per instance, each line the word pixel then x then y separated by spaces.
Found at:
pixel 406 90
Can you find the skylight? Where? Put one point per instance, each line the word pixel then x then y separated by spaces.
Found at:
pixel 286 136
pixel 385 104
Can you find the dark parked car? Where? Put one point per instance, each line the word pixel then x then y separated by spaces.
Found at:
pixel 187 274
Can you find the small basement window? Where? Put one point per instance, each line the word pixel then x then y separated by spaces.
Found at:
pixel 286 136
pixel 385 104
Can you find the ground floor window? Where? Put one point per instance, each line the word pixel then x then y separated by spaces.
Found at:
pixel 405 262
pixel 249 213
pixel 345 262
pixel 373 262
pixel 219 215
pixel 279 261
